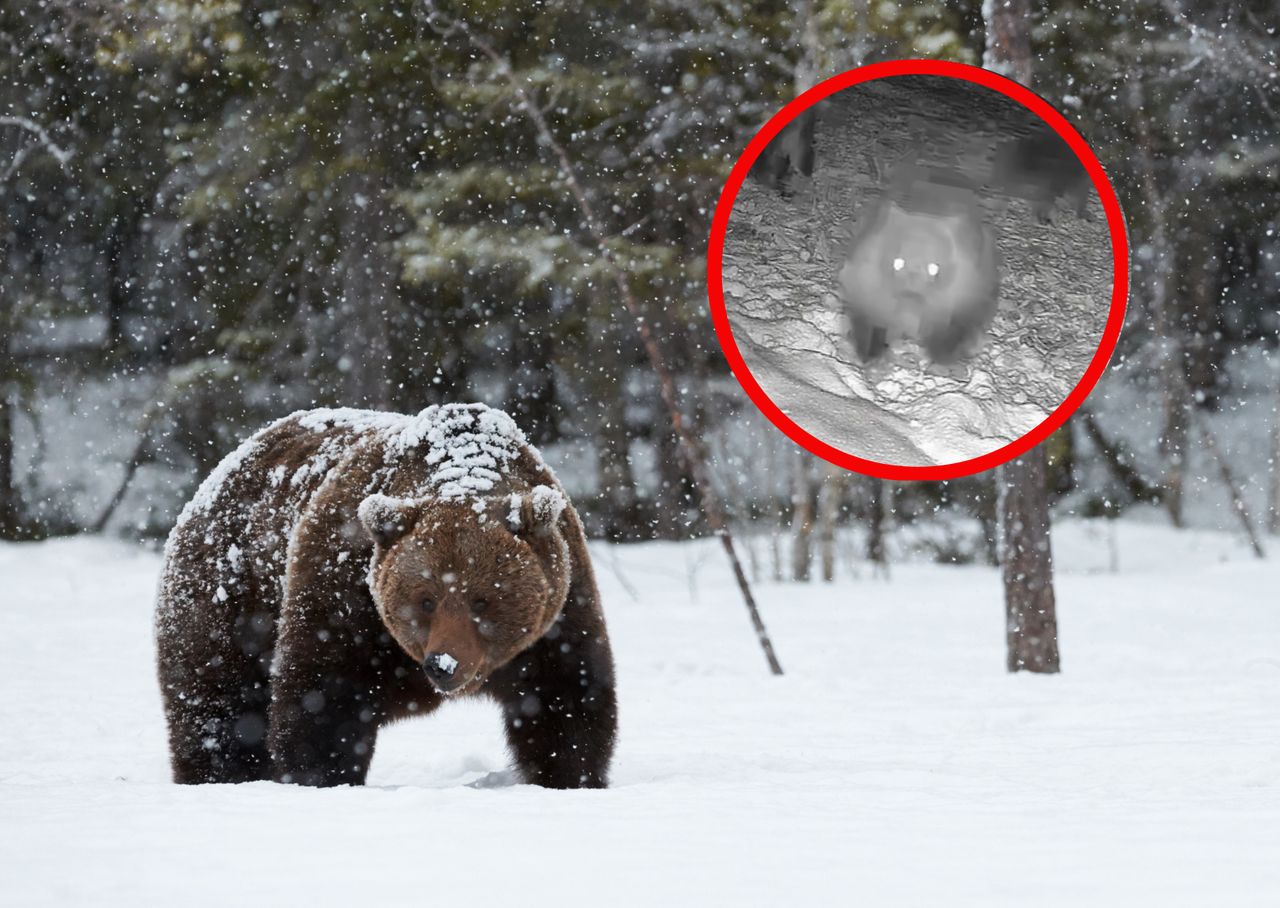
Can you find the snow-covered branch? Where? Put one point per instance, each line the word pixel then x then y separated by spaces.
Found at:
pixel 1230 50
pixel 42 139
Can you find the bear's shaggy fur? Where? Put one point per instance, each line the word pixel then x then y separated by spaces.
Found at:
pixel 342 568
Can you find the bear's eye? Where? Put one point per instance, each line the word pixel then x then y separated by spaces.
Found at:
pixel 428 605
pixel 479 606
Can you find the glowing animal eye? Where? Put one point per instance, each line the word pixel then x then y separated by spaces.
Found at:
pixel 428 605
pixel 933 269
pixel 899 264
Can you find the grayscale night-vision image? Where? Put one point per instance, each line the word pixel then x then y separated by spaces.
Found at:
pixel 919 270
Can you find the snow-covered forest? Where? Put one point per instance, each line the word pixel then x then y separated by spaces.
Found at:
pixel 215 213
pixel 218 213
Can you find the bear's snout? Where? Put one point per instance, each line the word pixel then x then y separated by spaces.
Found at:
pixel 442 670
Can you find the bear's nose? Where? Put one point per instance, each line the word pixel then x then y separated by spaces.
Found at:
pixel 441 669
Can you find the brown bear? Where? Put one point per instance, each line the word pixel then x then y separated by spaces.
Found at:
pixel 343 569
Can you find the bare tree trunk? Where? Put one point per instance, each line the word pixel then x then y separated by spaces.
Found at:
pixel 616 477
pixel 1023 506
pixel 1188 367
pixel 1200 325
pixel 531 386
pixel 367 272
pixel 876 553
pixel 987 496
pixel 809 68
pixel 1060 457
pixel 10 506
pixel 676 488
pixel 10 509
pixel 1027 560
pixel 802 518
pixel 779 509
pixel 863 33
pixel 828 512
pixel 117 283
pixel 1173 439
pixel 1233 488
pixel 1008 49
pixel 365 304
pixel 753 557
pixel 1273 519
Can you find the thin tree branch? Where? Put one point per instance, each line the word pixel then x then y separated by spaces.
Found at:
pixel 1237 497
pixel 52 148
pixel 1115 458
pixel 149 416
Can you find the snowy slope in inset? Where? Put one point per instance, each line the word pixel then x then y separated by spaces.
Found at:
pixel 895 764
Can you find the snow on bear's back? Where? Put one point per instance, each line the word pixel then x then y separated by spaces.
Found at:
pixel 467 447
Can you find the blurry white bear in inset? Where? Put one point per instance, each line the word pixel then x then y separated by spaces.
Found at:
pixel 923 264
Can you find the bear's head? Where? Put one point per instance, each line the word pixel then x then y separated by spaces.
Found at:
pixel 463 586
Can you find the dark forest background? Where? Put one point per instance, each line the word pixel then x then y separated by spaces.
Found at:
pixel 214 213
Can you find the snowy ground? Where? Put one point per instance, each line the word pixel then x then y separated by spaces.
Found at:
pixel 896 763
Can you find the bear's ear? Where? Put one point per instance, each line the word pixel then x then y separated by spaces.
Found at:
pixel 386 519
pixel 536 511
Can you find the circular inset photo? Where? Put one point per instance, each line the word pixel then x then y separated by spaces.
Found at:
pixel 918 270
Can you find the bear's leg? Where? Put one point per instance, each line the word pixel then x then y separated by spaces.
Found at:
pixel 1042 207
pixel 949 343
pixel 323 726
pixel 1080 199
pixel 216 706
pixel 869 340
pixel 221 740
pixel 559 706
pixel 800 143
pixel 804 163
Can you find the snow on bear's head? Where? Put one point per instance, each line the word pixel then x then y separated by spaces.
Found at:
pixel 464 585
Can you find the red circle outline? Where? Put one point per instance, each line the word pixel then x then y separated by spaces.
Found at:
pixel 1010 89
